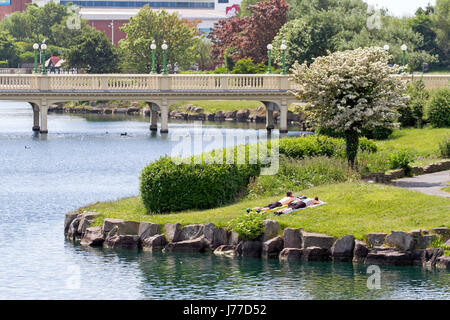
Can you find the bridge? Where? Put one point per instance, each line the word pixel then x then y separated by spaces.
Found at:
pixel 159 91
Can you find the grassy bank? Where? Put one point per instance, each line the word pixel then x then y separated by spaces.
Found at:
pixel 353 208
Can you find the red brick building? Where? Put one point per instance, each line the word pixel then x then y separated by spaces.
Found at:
pixel 15 5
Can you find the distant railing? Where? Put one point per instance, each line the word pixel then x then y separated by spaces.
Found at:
pixel 177 82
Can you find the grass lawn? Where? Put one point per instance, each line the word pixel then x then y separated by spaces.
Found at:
pixel 423 142
pixel 212 106
pixel 353 208
pixel 447 189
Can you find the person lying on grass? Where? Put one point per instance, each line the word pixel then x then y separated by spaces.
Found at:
pixel 283 202
pixel 298 203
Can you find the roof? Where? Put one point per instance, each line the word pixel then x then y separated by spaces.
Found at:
pixel 56 61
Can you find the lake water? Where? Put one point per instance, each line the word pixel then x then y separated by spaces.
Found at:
pixel 85 159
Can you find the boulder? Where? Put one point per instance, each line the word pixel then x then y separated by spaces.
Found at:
pixel 93 236
pixel 155 242
pixel 191 231
pixel 173 231
pixel 316 254
pixel 432 255
pixel 72 232
pixel 376 238
pixel 234 238
pixel 86 219
pixel 122 242
pixel 70 216
pixel 271 248
pixel 424 241
pixel 121 110
pixel 209 116
pixel 148 229
pixel 419 257
pixel 291 254
pixel 133 110
pixel 342 249
pixel 271 229
pixel 215 236
pixel 443 262
pixel 109 224
pixel 230 115
pixel 360 252
pixel 292 238
pixel 219 116
pixel 389 257
pixel 193 245
pixel 401 240
pixel 311 239
pixel 242 115
pixel 249 249
pixel 443 232
pixel 225 250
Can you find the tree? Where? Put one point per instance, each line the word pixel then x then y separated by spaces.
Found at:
pixel 93 52
pixel 150 25
pixel 349 91
pixel 8 50
pixel 441 22
pixel 249 36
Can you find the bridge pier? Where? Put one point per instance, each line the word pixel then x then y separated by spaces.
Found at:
pixel 153 117
pixel 270 125
pixel 283 116
pixel 164 117
pixel 36 126
pixel 44 109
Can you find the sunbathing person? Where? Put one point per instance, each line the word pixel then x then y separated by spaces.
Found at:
pixel 283 202
pixel 298 203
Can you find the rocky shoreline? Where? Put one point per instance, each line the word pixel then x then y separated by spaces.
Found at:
pixel 397 248
pixel 192 113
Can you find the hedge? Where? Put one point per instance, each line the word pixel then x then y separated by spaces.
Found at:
pixel 438 111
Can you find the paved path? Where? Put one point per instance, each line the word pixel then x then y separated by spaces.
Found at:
pixel 428 183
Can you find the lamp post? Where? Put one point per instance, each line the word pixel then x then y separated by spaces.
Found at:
pixel 153 47
pixel 35 48
pixel 269 55
pixel 404 48
pixel 111 25
pixel 164 48
pixel 43 48
pixel 283 48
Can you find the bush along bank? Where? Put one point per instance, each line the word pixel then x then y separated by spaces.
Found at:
pixel 418 247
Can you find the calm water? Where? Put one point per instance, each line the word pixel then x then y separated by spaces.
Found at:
pixel 85 159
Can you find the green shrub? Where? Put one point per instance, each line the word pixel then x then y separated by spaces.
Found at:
pixel 4 64
pixel 412 113
pixel 247 66
pixel 299 174
pixel 249 226
pixel 444 147
pixel 166 186
pixel 401 160
pixel 378 133
pixel 438 112
pixel 367 145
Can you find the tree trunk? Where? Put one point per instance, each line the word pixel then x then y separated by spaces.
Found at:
pixel 351 146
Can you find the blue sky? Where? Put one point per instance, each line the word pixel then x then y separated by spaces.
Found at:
pixel 401 7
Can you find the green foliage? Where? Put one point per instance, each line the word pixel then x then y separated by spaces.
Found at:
pixel 247 66
pixel 438 109
pixel 168 186
pixel 401 160
pixel 377 133
pixel 8 50
pixel 149 25
pixel 299 174
pixel 444 147
pixel 228 60
pixel 249 226
pixel 412 113
pixel 27 57
pixel 441 26
pixel 3 63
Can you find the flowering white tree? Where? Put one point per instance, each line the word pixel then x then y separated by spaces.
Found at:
pixel 351 90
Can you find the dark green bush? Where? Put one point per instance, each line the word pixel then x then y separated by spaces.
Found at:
pixel 167 186
pixel 401 160
pixel 249 226
pixel 367 145
pixel 247 66
pixel 378 133
pixel 412 113
pixel 438 112
pixel 444 147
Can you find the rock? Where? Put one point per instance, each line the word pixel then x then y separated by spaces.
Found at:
pixel 173 231
pixel 72 232
pixel 123 227
pixel 292 238
pixel 448 243
pixel 93 236
pixel 271 248
pixel 191 231
pixel 389 257
pixel 291 254
pixel 423 242
pixel 122 242
pixel 342 249
pixel 70 216
pixel 311 239
pixel 250 249
pixel 215 236
pixel 376 238
pixel 360 252
pixel 193 245
pixel 432 255
pixel 219 116
pixel 401 240
pixel 417 171
pixel 443 262
pixel 316 254
pixel 209 116
pixel 108 225
pixel 271 229
pixel 225 250
pixel 155 242
pixel 234 238
pixel 444 233
pixel 132 110
pixel 121 110
pixel 87 218
pixel 231 115
pixel 148 229
pixel 242 115
pixel 419 257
